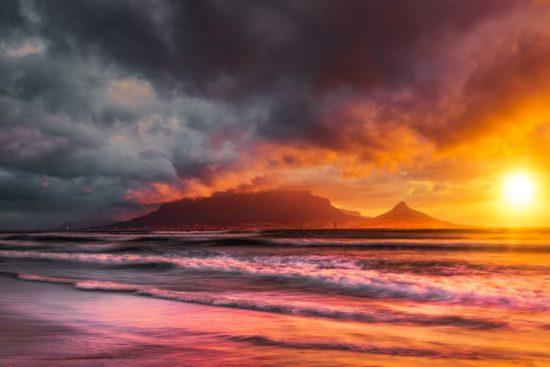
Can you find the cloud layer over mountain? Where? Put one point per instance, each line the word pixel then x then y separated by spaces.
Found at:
pixel 109 105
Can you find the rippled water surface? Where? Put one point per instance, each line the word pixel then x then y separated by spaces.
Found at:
pixel 276 298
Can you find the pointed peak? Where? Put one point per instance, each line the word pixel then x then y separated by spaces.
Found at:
pixel 401 205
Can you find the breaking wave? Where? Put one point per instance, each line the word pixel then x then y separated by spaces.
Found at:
pixel 420 244
pixel 85 237
pixel 342 275
pixel 290 308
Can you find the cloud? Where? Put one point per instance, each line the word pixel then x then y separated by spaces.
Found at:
pixel 127 101
pixel 26 48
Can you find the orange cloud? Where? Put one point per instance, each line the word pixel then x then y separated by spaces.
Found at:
pixel 441 136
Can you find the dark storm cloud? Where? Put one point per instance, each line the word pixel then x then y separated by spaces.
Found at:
pixel 239 48
pixel 125 93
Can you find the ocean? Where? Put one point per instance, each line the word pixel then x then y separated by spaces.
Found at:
pixel 276 298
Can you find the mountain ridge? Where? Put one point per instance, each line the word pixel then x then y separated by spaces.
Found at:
pixel 273 209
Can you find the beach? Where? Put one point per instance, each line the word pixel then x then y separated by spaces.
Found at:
pixel 321 298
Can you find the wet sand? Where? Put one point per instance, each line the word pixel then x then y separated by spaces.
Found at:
pixel 54 325
pixel 213 300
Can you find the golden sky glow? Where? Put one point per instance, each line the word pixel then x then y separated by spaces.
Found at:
pixel 519 190
pixel 362 103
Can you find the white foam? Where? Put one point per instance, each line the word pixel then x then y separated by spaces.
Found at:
pixel 290 307
pixel 41 278
pixel 340 274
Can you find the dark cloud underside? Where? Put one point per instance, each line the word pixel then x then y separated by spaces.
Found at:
pixel 99 99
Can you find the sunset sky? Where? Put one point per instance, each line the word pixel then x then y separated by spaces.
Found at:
pixel 110 107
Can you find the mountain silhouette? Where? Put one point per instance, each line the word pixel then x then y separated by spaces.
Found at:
pixel 263 209
pixel 403 216
pixel 273 209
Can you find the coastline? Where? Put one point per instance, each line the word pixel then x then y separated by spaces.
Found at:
pixel 51 325
pixel 295 298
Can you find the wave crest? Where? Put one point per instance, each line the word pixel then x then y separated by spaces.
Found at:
pixel 289 308
pixel 338 274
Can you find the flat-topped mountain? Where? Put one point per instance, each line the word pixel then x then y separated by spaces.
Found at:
pixel 269 209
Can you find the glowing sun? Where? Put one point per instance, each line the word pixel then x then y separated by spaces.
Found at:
pixel 519 189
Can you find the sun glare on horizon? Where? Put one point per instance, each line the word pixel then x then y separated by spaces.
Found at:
pixel 519 189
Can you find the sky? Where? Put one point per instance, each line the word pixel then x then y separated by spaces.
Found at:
pixel 108 107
